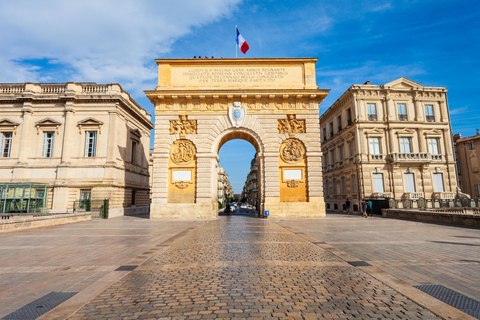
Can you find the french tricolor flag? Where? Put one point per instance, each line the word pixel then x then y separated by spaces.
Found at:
pixel 242 44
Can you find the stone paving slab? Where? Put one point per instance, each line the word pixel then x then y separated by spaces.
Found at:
pixel 221 271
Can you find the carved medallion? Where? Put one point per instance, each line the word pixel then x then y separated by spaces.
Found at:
pixel 182 151
pixel 237 113
pixel 293 183
pixel 181 184
pixel 183 126
pixel 292 150
pixel 291 125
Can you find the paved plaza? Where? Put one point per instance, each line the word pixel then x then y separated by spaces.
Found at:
pixel 338 267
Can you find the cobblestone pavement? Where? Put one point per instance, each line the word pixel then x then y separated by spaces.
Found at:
pixel 70 258
pixel 417 253
pixel 239 267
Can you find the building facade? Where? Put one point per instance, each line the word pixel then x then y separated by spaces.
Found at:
pixel 467 151
pixel 389 141
pixel 225 190
pixel 83 140
pixel 250 189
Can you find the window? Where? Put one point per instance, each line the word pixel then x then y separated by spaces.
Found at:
pixel 324 134
pixel 85 194
pixel 372 111
pixel 438 182
pixel 354 184
pixel 333 156
pixel 133 158
pixel 6 144
pixel 331 129
pixel 326 158
pixel 339 121
pixel 433 145
pixel 402 112
pixel 48 138
pixel 134 193
pixel 405 145
pixel 341 152
pixel 334 186
pixel 344 186
pixel 409 182
pixel 477 190
pixel 471 146
pixel 378 182
pixel 327 187
pixel 429 113
pixel 349 116
pixel 374 145
pixel 90 143
pixel 352 149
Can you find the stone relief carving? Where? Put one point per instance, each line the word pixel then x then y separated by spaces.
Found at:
pixel 293 183
pixel 183 126
pixel 292 150
pixel 291 125
pixel 181 184
pixel 182 151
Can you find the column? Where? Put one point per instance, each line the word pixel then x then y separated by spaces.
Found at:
pixel 24 146
pixel 421 141
pixel 68 130
pixel 390 109
pixel 418 109
pixel 112 136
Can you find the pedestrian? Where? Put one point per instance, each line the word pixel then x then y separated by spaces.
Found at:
pixel 227 209
pixel 369 208
pixel 364 209
pixel 348 206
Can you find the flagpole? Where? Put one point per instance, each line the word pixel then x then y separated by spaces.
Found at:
pixel 236 46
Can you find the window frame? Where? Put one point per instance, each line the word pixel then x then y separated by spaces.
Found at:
pixel 405 141
pixel 400 108
pixel 6 144
pixel 372 116
pixel 48 144
pixel 437 145
pixel 370 149
pixel 133 151
pixel 91 142
pixel 378 174
pixel 429 117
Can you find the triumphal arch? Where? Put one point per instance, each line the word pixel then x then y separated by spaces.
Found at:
pixel 200 104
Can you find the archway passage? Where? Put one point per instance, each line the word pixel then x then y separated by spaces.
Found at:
pixel 201 104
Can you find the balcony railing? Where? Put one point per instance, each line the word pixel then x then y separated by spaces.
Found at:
pixel 372 117
pixel 413 195
pixel 14 88
pixel 402 117
pixel 376 157
pixel 430 118
pixel 382 195
pixel 415 157
pixel 443 195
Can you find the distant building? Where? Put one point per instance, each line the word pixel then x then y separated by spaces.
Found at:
pixel 250 189
pixel 225 190
pixel 387 141
pixel 467 152
pixel 82 140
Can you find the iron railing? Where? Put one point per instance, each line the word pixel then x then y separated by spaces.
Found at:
pixel 98 208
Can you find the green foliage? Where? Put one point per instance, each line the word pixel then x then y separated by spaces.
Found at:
pixel 220 205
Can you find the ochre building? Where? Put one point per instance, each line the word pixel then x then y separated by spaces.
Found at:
pixel 200 104
pixel 467 152
pixel 83 140
pixel 389 141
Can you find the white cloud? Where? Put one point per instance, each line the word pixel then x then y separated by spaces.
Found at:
pixel 102 41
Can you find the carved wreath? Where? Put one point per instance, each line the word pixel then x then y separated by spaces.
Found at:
pixel 182 151
pixel 181 184
pixel 292 150
pixel 293 183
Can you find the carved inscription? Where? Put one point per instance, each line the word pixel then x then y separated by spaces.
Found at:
pixel 182 151
pixel 292 150
pixel 183 126
pixel 291 125
pixel 233 75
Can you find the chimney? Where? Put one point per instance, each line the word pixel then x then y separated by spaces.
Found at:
pixel 478 132
pixel 367 82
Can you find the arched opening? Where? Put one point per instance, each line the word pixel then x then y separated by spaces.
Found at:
pixel 239 168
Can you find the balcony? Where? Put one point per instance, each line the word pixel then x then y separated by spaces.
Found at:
pixel 414 157
pixel 443 195
pixel 382 195
pixel 402 117
pixel 413 195
pixel 430 118
pixel 376 157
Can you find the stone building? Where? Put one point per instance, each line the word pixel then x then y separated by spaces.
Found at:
pixel 250 189
pixel 387 141
pixel 83 140
pixel 467 152
pixel 200 104
pixel 225 190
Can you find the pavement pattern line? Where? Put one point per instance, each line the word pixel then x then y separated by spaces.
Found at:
pixel 229 268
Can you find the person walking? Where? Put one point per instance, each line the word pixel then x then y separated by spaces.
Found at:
pixel 227 209
pixel 348 206
pixel 364 209
pixel 369 208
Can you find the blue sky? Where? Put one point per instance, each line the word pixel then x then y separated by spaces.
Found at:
pixel 435 43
